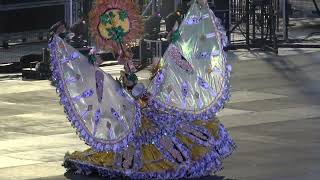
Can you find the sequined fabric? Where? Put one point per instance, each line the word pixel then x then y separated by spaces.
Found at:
pixel 151 161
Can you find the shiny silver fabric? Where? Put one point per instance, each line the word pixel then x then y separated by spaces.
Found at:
pixel 78 76
pixel 200 45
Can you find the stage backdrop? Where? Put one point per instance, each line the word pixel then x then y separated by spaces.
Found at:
pixel 29 19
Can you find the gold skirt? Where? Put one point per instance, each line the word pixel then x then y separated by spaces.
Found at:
pixel 196 149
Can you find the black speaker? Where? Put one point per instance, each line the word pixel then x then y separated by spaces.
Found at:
pixel 167 7
pixel 221 10
pixel 221 4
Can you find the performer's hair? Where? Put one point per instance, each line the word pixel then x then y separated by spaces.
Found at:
pixel 53 29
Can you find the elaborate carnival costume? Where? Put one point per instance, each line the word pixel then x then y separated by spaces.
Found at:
pixel 170 129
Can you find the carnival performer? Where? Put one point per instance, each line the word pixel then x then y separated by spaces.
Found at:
pixel 167 130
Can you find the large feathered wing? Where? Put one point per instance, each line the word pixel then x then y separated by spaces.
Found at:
pixel 104 114
pixel 193 80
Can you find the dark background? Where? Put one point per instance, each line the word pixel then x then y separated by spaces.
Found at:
pixel 29 19
pixel 17 1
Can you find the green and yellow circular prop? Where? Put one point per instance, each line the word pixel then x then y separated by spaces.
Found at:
pixel 115 23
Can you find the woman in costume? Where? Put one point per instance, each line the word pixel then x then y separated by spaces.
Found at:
pixel 168 130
